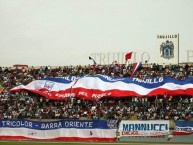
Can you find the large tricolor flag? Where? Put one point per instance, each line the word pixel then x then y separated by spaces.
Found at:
pixel 99 86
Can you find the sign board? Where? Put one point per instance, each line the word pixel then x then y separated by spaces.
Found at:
pixel 168 49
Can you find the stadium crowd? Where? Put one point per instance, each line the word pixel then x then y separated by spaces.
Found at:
pixel 33 106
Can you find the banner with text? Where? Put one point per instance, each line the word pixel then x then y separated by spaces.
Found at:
pixel 96 130
pixel 99 86
pixel 183 128
pixel 144 128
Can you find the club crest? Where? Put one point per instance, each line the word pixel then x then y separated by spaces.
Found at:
pixel 49 85
pixel 167 49
pixel 112 124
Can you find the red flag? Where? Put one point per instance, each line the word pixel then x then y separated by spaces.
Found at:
pixel 128 56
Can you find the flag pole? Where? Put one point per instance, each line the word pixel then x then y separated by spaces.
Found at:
pixel 76 80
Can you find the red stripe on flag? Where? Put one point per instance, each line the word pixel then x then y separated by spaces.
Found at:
pixel 110 139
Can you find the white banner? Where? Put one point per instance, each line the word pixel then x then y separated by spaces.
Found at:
pixel 144 128
pixel 58 134
pixel 84 130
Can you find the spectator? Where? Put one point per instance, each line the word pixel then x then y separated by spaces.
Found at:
pixel 29 105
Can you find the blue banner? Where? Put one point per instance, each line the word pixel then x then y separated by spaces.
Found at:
pixel 78 124
pixel 183 128
pixel 146 83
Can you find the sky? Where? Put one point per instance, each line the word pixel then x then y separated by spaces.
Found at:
pixel 67 32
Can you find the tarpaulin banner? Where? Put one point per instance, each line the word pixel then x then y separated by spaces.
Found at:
pixel 183 128
pixel 99 86
pixel 144 128
pixel 59 130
